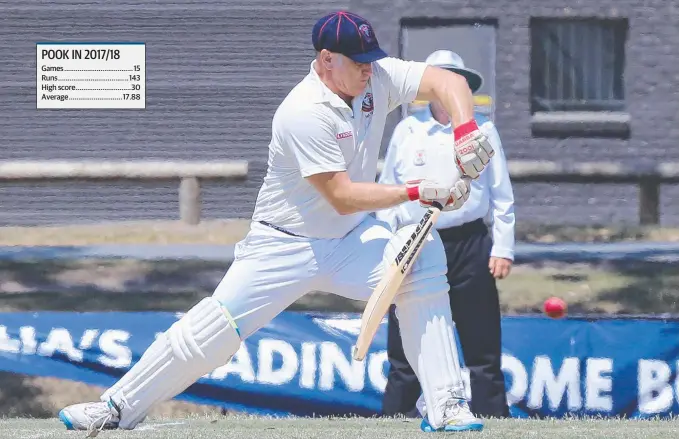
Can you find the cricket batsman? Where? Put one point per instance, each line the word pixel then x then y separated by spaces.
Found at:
pixel 312 230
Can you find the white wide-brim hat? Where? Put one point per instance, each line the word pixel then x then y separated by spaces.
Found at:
pixel 449 60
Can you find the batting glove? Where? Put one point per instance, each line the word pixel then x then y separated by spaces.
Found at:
pixel 427 192
pixel 472 149
pixel 459 194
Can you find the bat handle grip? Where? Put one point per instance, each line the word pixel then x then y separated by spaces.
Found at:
pixel 437 205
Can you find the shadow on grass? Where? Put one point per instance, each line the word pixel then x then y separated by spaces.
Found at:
pixel 125 285
pixel 634 287
pixel 606 287
pixel 20 399
pixel 106 285
pixel 654 288
pixel 99 301
pixel 528 232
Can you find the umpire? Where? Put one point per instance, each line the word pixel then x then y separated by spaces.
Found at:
pixel 475 256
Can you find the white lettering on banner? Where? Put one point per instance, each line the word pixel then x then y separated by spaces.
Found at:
pixel 307 375
pixel 115 353
pixel 325 366
pixel 88 338
pixel 313 373
pixel 513 368
pixel 7 344
pixel 59 340
pixel 375 365
pixel 544 381
pixel 29 345
pixel 286 372
pixel 111 344
pixel 351 371
pixel 655 392
pixel 596 384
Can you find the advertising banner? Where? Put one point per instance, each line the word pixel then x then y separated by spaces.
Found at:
pixel 301 363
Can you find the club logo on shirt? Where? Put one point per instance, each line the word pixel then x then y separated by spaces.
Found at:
pixel 368 105
pixel 344 135
pixel 419 157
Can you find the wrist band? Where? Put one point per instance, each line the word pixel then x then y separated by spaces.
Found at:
pixel 464 129
pixel 413 193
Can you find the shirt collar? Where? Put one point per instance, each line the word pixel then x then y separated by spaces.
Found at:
pixel 431 124
pixel 323 93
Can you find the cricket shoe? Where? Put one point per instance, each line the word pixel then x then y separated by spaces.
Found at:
pixel 91 416
pixel 457 417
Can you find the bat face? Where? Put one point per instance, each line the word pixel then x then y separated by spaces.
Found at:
pixel 417 238
pixel 384 292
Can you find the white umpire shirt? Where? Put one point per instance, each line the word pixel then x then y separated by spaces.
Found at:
pixel 418 148
pixel 315 131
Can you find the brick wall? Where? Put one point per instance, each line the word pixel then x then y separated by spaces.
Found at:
pixel 215 73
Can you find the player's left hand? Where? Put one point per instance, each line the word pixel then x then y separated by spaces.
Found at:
pixel 459 194
pixel 427 192
pixel 472 149
pixel 500 267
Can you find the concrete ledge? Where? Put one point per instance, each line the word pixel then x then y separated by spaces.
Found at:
pixel 562 124
pixel 114 170
pixel 576 172
pixel 669 170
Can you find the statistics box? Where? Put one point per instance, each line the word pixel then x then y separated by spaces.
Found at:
pixel 91 75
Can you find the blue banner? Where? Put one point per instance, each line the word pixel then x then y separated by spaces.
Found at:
pixel 301 364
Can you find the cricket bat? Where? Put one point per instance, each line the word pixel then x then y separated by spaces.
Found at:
pixel 384 292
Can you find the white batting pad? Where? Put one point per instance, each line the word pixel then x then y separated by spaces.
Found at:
pixel 426 323
pixel 202 340
pixel 429 343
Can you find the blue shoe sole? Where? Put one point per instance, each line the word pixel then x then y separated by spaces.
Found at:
pixel 468 427
pixel 67 422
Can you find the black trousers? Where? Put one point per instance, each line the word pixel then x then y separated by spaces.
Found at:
pixel 476 312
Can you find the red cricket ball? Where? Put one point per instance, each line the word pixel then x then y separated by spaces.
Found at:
pixel 555 307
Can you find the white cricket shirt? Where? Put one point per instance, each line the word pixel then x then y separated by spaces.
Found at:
pixel 315 131
pixel 417 148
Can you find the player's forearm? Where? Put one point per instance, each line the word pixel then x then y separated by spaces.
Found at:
pixel 362 197
pixel 457 99
pixel 451 90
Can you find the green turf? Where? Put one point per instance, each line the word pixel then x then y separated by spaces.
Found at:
pixel 242 427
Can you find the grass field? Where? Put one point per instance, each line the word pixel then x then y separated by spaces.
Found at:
pixel 126 285
pixel 344 428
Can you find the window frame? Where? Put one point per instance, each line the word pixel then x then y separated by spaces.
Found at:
pixel 618 28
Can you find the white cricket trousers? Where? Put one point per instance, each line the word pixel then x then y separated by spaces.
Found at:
pixel 271 270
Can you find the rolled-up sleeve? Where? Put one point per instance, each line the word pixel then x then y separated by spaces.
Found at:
pixel 501 198
pixel 402 79
pixel 311 138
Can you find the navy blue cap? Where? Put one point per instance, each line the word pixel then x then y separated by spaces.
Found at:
pixel 349 34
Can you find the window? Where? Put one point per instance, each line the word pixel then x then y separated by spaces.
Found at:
pixel 577 64
pixel 473 39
